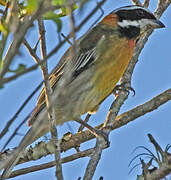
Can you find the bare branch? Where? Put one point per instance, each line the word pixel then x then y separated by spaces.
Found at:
pixel 50 108
pixel 77 28
pixel 146 3
pixel 19 34
pixel 112 121
pixel 15 131
pixel 17 75
pixel 75 140
pixel 5 80
pixel 5 130
pixel 33 53
pixel 85 120
pixel 95 157
pixel 161 7
pixel 51 164
pixel 164 165
pixel 136 2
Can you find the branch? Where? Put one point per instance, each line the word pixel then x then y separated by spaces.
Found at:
pixel 146 3
pixel 122 96
pixel 18 37
pixel 51 164
pixel 164 165
pixel 34 67
pixel 50 108
pixel 163 98
pixel 143 109
pixel 35 128
pixel 73 141
pixel 136 2
pixel 77 28
pixel 5 130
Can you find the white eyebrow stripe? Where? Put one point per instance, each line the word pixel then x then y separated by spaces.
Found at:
pixel 137 23
pixel 126 23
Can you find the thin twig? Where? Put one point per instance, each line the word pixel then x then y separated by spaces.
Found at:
pixel 5 80
pixel 4 36
pixel 85 120
pixel 136 2
pixel 156 145
pixel 67 40
pixel 146 3
pixel 33 53
pixel 102 13
pixel 77 28
pixel 164 165
pixel 84 136
pixel 50 108
pixel 19 110
pixel 16 131
pixel 17 75
pixel 51 164
pixel 21 30
pixel 122 96
pixel 28 138
pixel 95 157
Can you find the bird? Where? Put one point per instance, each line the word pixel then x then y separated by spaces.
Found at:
pixel 89 71
pixel 95 66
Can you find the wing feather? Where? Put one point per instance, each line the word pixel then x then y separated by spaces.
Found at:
pixel 85 58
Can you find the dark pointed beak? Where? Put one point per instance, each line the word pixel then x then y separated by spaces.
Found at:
pixel 155 23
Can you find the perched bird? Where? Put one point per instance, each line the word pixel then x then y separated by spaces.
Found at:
pixel 85 76
pixel 101 57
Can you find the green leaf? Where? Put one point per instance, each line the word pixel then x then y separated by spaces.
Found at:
pixel 65 11
pixel 20 67
pixel 59 25
pixel 32 5
pixel 62 2
pixel 75 7
pixel 55 18
pixel 57 2
pixel 3 27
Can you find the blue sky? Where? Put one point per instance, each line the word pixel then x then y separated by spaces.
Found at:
pixel 151 77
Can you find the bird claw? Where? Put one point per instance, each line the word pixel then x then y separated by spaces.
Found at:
pixel 123 87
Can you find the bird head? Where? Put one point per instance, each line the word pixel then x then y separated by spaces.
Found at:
pixel 132 20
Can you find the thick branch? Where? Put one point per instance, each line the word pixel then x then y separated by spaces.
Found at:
pixel 95 157
pixel 121 120
pixel 73 141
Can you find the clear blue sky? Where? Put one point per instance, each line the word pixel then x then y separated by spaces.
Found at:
pixel 151 77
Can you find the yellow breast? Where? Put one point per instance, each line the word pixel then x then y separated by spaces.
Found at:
pixel 114 57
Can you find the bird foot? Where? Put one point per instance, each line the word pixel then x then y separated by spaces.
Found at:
pixel 123 87
pixel 96 132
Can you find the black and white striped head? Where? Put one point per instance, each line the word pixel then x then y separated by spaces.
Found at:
pixel 135 18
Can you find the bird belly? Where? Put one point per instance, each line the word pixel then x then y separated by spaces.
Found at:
pixel 111 67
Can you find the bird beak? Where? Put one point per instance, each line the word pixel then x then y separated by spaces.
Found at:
pixel 155 23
